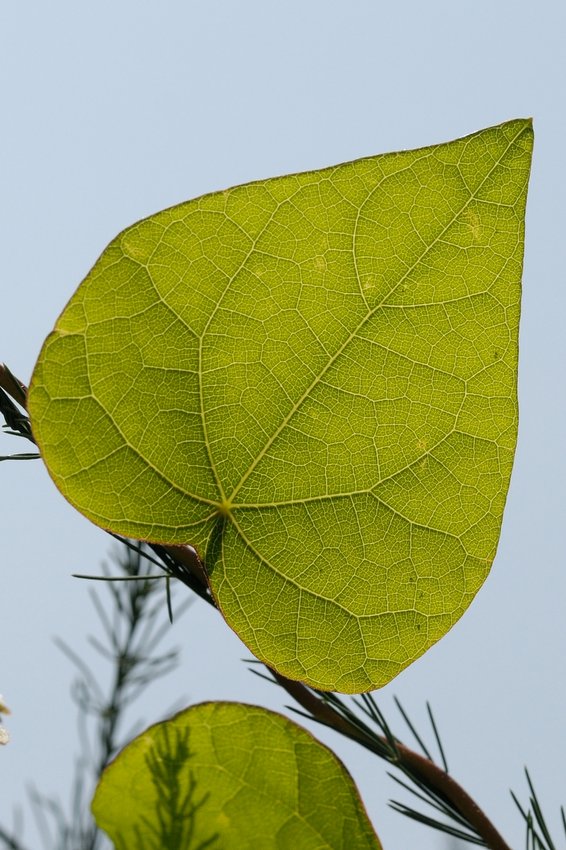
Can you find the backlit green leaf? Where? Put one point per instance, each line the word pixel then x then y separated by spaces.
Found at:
pixel 312 379
pixel 226 775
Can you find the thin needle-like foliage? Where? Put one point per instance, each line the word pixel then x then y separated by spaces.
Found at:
pixel 132 627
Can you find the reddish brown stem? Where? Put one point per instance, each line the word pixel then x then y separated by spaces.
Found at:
pixel 435 776
pixel 188 556
pixel 14 387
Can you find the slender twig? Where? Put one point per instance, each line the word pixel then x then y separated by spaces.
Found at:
pixel 434 776
pixel 188 557
pixel 13 386
pixel 13 396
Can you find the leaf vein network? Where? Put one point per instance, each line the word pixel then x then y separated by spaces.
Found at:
pixel 231 279
pixel 327 600
pixel 368 315
pixel 128 445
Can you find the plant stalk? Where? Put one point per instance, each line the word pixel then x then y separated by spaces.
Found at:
pixel 434 775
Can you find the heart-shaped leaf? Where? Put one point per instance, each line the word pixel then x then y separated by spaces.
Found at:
pixel 226 775
pixel 312 379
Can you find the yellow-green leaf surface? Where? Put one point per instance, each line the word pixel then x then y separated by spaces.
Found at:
pixel 237 776
pixel 312 379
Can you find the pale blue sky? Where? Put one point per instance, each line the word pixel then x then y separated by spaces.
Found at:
pixel 113 110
